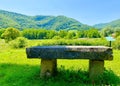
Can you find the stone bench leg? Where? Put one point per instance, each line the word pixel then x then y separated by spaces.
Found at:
pixel 48 67
pixel 95 68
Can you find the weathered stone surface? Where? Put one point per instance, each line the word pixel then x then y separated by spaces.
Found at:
pixel 48 67
pixel 70 52
pixel 96 68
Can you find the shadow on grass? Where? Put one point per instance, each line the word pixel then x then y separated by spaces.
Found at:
pixel 28 75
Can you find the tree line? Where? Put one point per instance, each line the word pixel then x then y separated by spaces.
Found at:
pixel 49 34
pixel 11 33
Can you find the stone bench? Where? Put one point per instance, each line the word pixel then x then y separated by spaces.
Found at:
pixel 50 54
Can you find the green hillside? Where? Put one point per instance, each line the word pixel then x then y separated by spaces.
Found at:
pixel 113 24
pixel 20 21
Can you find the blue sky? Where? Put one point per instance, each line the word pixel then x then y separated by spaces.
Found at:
pixel 86 11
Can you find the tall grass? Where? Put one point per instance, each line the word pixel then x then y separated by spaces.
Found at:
pixel 81 41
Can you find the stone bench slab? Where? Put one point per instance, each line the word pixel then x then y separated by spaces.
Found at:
pixel 70 52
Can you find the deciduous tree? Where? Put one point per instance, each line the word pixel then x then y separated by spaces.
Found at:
pixel 10 34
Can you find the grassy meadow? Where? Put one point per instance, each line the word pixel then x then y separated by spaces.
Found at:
pixel 17 70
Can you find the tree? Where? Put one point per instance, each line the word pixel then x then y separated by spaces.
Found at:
pixel 80 34
pixel 10 34
pixel 93 33
pixel 71 35
pixel 51 34
pixel 62 33
pixel 107 31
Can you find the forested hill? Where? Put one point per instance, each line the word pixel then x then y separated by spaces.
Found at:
pixel 113 24
pixel 20 21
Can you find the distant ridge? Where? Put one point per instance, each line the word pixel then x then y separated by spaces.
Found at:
pixel 113 24
pixel 21 21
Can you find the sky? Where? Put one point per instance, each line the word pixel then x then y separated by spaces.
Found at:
pixel 85 11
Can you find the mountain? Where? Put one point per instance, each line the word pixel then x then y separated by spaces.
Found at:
pixel 20 21
pixel 113 24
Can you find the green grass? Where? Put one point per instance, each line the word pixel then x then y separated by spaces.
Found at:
pixel 17 70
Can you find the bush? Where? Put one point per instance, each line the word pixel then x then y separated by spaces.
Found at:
pixel 56 37
pixel 20 42
pixel 1 32
pixel 116 44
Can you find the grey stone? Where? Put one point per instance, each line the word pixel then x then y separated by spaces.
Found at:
pixel 70 52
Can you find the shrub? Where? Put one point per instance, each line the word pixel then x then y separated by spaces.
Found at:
pixel 116 44
pixel 1 32
pixel 56 37
pixel 20 42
